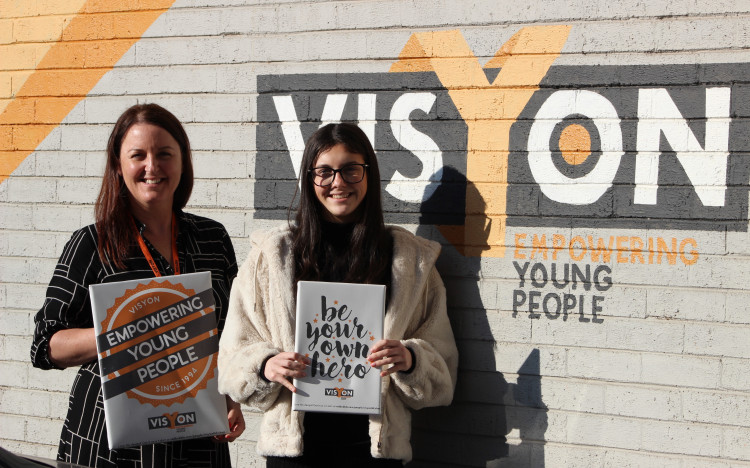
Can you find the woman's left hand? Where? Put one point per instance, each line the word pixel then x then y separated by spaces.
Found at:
pixel 236 422
pixel 392 352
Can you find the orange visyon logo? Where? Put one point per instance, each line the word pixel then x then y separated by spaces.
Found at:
pixel 160 333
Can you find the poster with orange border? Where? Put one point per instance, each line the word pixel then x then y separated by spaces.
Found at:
pixel 157 342
pixel 336 325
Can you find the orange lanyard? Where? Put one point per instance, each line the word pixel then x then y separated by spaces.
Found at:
pixel 150 258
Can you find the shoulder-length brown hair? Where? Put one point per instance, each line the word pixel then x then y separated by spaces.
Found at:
pixel 113 215
pixel 369 254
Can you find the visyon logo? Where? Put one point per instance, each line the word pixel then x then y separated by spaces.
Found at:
pixel 519 142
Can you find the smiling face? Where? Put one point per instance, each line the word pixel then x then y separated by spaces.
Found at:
pixel 340 200
pixel 150 166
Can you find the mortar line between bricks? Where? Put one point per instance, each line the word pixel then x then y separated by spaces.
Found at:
pixel 658 455
pixel 609 350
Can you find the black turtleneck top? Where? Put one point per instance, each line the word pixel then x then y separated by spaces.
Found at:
pixel 351 429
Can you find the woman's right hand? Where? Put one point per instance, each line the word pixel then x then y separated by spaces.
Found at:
pixel 285 366
pixel 72 347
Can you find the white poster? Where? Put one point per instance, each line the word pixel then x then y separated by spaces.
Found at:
pixel 337 324
pixel 157 342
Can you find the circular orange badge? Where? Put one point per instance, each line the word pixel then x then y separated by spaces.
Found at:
pixel 164 338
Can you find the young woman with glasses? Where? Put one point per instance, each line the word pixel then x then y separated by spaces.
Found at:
pixel 338 235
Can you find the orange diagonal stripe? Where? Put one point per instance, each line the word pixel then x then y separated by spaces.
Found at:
pixel 90 45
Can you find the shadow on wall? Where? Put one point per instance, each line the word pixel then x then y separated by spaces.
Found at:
pixel 473 430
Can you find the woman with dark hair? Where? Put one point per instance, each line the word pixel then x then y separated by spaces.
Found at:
pixel 140 232
pixel 339 235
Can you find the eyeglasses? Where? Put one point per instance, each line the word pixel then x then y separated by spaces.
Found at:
pixel 351 173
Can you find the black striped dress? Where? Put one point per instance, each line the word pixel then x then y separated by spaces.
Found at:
pixel 203 245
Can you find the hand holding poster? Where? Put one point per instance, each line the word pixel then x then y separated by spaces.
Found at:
pixel 336 325
pixel 157 342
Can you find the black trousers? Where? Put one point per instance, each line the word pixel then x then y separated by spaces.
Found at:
pixel 349 457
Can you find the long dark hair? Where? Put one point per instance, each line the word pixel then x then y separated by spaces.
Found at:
pixel 368 256
pixel 112 210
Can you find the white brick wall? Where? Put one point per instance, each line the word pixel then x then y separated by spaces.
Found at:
pixel 661 381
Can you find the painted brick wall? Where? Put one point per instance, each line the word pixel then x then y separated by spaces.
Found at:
pixel 597 325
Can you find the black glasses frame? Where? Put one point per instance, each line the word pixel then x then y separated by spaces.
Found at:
pixel 338 171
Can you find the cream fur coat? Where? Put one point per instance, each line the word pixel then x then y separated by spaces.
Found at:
pixel 260 323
